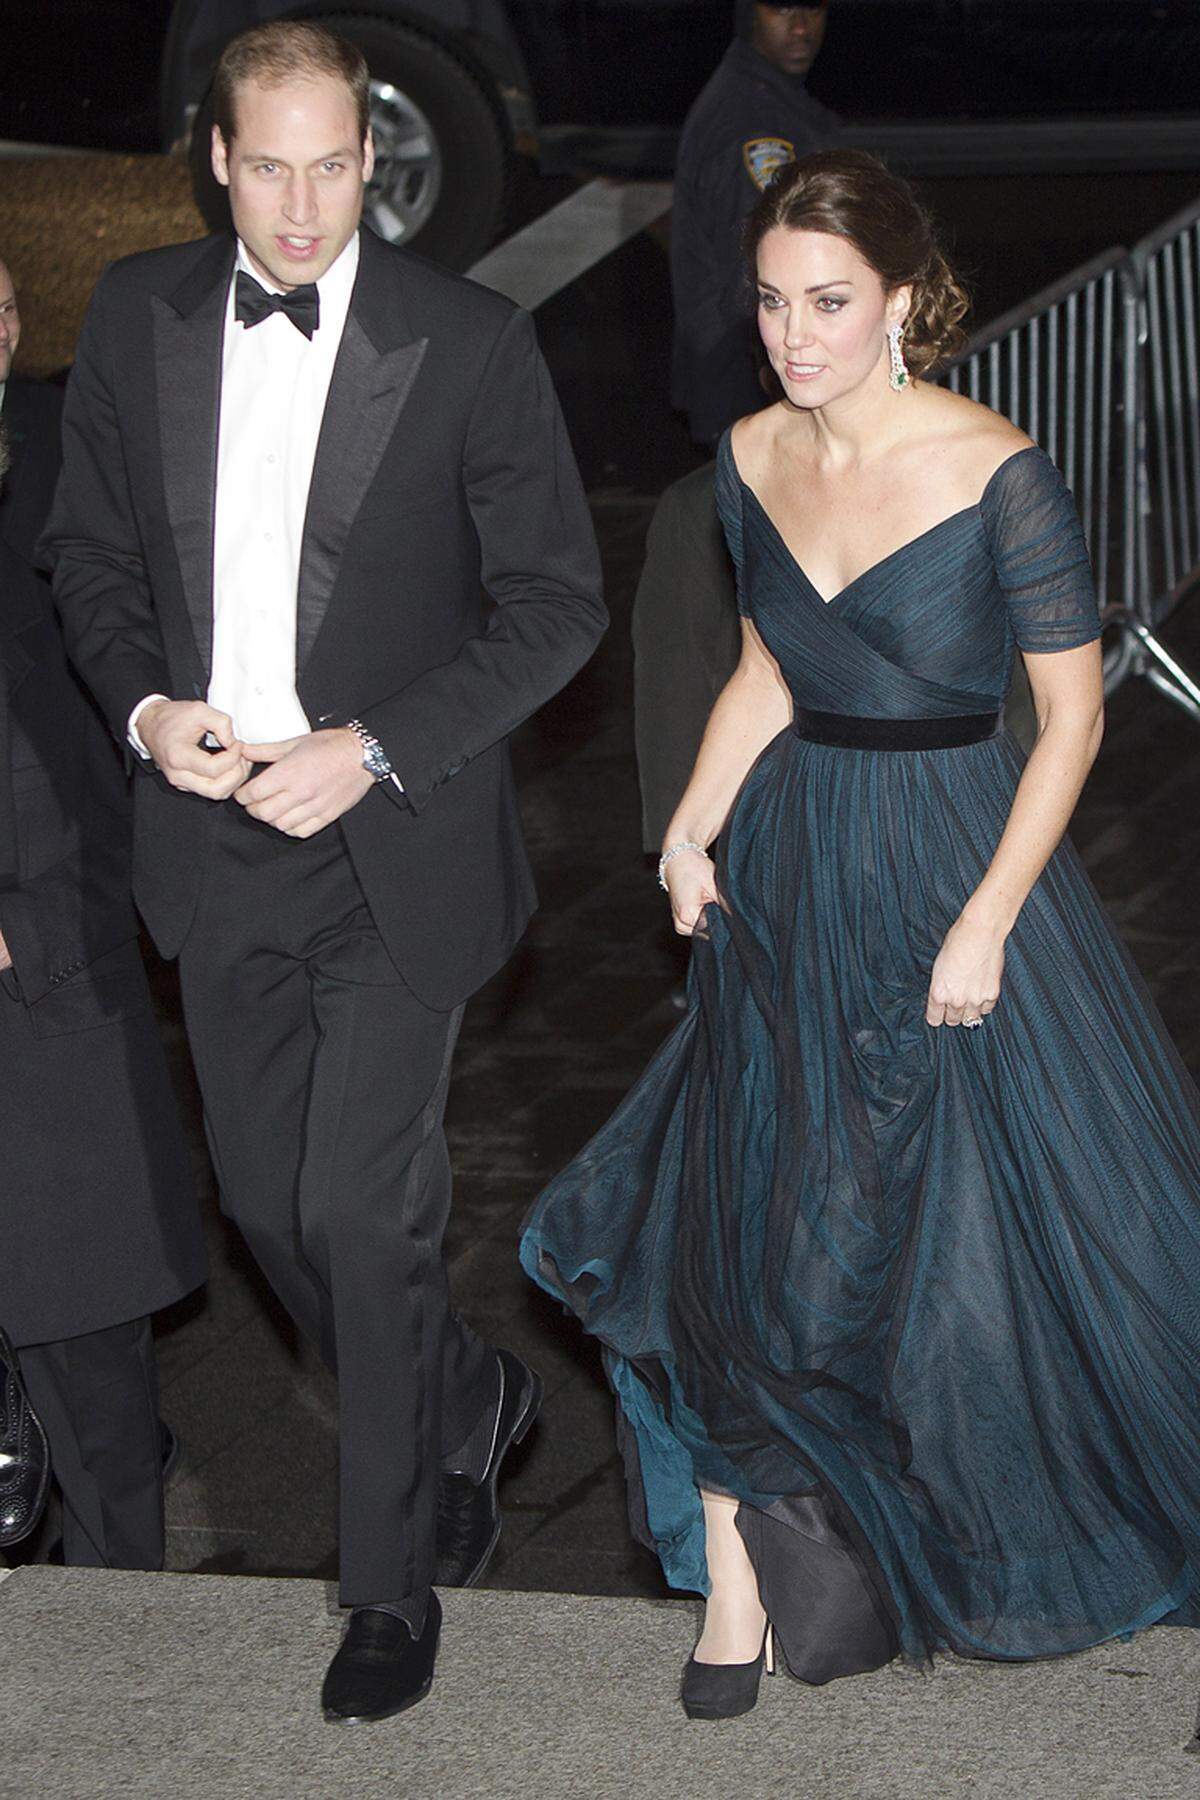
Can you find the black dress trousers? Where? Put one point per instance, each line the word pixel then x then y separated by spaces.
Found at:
pixel 97 1397
pixel 324 1082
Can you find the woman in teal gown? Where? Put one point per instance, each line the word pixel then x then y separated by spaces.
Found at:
pixel 894 1250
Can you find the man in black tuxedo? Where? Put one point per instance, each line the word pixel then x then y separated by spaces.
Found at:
pixel 321 546
pixel 98 1218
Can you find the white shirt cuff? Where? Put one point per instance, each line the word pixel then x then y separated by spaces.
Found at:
pixel 131 730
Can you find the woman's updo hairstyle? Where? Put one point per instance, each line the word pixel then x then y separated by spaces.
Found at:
pixel 851 194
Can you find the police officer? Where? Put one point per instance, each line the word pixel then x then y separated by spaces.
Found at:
pixel 753 116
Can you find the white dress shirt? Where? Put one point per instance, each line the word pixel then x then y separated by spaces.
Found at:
pixel 274 384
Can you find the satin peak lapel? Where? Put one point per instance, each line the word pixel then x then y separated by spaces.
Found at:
pixel 366 396
pixel 188 335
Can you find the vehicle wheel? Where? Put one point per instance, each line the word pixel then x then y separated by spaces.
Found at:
pixel 441 156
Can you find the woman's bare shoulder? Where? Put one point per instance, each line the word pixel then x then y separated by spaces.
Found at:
pixel 966 442
pixel 752 441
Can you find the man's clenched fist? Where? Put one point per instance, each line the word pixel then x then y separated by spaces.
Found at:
pixel 173 731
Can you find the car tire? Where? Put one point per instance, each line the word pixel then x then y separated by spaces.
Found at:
pixel 452 208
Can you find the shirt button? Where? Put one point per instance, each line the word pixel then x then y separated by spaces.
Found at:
pixel 259 691
pixel 272 457
pixel 269 536
pixel 262 612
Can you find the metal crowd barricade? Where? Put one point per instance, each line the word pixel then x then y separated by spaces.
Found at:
pixel 1063 368
pixel 1103 371
pixel 1165 273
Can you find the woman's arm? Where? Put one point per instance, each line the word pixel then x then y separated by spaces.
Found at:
pixel 1068 696
pixel 751 709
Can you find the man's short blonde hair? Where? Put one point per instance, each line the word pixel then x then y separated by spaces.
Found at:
pixel 288 50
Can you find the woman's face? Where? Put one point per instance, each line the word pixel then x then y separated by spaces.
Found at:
pixel 823 315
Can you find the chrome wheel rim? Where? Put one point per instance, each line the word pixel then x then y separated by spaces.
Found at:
pixel 404 189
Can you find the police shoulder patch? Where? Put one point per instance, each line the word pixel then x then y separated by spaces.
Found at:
pixel 763 156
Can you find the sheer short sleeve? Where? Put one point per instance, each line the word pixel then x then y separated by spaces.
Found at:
pixel 1040 556
pixel 729 507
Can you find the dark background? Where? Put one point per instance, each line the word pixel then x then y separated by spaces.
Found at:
pixel 86 73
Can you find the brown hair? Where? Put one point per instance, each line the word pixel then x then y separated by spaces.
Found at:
pixel 288 50
pixel 851 194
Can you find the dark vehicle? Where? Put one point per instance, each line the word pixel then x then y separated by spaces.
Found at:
pixel 461 86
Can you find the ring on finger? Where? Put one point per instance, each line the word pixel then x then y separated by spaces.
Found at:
pixel 972 1024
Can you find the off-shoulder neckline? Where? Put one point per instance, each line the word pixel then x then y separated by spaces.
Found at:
pixel 891 556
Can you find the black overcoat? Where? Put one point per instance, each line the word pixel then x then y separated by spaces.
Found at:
pixel 686 643
pixel 32 417
pixel 449 579
pixel 98 1215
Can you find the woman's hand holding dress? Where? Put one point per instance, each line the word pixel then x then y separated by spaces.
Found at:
pixel 691 879
pixel 965 983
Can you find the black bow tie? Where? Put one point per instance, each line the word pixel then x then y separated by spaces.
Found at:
pixel 253 304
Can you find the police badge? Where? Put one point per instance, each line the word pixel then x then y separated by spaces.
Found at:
pixel 763 156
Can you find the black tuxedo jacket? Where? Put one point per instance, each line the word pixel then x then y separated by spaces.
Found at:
pixel 449 579
pixel 98 1214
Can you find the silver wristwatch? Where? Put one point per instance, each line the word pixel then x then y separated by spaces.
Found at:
pixel 374 758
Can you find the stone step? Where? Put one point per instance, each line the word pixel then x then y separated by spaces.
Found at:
pixel 200 1686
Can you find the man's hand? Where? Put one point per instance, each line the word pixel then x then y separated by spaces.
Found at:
pixel 5 958
pixel 173 732
pixel 311 782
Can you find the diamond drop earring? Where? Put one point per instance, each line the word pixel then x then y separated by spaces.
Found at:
pixel 898 377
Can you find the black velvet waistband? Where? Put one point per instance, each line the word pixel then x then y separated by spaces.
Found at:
pixel 846 733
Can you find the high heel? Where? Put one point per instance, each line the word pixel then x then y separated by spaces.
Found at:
pixel 725 1690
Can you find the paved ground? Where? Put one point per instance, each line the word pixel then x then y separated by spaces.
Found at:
pixel 206 1690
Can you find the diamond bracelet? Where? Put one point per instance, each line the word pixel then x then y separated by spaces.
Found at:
pixel 668 855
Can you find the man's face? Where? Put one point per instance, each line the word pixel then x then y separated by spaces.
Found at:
pixel 789 36
pixel 10 323
pixel 295 171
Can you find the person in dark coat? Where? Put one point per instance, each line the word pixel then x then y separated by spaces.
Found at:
pixel 753 116
pixel 99 1225
pixel 32 415
pixel 686 643
pixel 318 506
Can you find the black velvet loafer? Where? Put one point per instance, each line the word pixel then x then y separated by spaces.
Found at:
pixel 380 1668
pixel 468 1521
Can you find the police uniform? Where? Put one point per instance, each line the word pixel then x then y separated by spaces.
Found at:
pixel 747 122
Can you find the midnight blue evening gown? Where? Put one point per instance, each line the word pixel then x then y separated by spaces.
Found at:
pixel 926 1301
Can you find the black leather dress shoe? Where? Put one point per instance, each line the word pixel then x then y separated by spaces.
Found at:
pixel 24 1454
pixel 380 1668
pixel 468 1521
